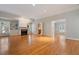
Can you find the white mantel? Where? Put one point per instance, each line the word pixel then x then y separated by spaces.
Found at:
pixel 23 22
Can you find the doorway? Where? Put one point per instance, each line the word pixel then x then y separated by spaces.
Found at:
pixel 40 29
pixel 59 29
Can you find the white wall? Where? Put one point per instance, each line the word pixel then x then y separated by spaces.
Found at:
pixel 34 29
pixel 47 28
pixel 72 21
pixel 73 26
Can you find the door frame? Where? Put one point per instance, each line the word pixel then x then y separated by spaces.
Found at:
pixel 53 25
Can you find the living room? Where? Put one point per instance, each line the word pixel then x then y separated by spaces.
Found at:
pixel 27 29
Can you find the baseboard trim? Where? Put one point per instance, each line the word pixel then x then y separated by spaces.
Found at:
pixel 71 38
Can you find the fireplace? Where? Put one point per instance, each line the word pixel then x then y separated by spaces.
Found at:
pixel 23 31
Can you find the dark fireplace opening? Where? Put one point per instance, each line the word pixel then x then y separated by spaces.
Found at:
pixel 23 31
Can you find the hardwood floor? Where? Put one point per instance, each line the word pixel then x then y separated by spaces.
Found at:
pixel 37 45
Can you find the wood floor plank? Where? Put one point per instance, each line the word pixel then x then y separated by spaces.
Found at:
pixel 37 45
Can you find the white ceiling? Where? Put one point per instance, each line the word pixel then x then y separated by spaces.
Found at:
pixel 37 11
